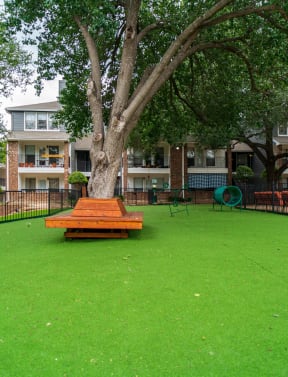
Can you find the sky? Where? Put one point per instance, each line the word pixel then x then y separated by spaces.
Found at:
pixel 18 98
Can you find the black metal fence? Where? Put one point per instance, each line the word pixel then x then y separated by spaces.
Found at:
pixel 25 204
pixel 164 196
pixel 248 190
pixel 260 197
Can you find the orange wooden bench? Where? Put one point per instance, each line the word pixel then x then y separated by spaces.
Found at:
pixel 97 218
pixel 268 199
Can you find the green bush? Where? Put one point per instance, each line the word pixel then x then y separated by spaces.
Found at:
pixel 77 178
pixel 243 172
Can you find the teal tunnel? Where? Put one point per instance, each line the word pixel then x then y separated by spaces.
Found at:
pixel 230 196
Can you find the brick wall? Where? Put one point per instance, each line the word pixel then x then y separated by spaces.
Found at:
pixel 13 165
pixel 66 165
pixel 176 168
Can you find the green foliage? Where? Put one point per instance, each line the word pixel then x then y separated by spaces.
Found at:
pixel 3 152
pixel 74 115
pixel 3 143
pixel 233 58
pixel 243 173
pixel 15 69
pixel 77 178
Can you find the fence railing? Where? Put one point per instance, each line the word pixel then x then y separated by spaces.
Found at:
pixel 24 204
pixel 164 196
pixel 264 197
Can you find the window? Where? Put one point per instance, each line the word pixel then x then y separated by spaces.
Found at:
pixel 83 162
pixel 30 154
pixel 159 157
pixel 210 158
pixel 42 158
pixel 53 151
pixel 190 157
pixel 51 122
pixel 41 121
pixel 30 183
pixel 138 184
pixel 42 184
pixel 282 130
pixel 30 121
pixel 138 159
pixel 54 183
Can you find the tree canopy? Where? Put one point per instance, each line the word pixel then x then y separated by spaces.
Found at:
pixel 15 69
pixel 117 55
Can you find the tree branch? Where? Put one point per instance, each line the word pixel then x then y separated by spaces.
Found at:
pixel 245 12
pixel 200 115
pixel 142 34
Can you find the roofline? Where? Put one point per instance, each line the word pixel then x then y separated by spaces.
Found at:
pixel 44 106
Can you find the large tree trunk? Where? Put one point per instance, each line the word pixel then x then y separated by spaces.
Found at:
pixel 106 164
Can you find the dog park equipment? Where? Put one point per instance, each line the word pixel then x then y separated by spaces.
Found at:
pixel 177 204
pixel 229 196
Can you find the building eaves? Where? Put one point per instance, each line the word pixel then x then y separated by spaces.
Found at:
pixel 281 140
pixel 45 106
pixel 37 135
pixel 241 147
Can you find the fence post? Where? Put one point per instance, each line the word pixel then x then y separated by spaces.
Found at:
pixel 62 200
pixel 49 203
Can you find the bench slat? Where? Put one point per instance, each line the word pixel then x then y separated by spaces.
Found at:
pixel 99 207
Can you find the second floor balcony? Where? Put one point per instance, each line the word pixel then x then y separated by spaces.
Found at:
pixel 207 163
pixel 164 162
pixel 141 161
pixel 37 161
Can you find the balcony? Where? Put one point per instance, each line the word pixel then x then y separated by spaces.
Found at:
pixel 153 162
pixel 41 162
pixel 138 164
pixel 199 165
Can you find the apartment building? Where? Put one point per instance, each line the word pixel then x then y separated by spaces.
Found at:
pixel 38 150
pixel 40 156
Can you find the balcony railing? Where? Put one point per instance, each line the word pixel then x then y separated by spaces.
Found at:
pixel 32 161
pixel 137 161
pixel 164 162
pixel 217 162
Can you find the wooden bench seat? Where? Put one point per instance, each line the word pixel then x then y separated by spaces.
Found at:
pixel 97 218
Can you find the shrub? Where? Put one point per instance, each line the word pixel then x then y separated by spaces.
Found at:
pixel 77 178
pixel 243 172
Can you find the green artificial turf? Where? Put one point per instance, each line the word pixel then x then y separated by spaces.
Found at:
pixel 188 296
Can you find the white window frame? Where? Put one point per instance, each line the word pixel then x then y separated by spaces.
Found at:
pixel 30 121
pixel 280 133
pixel 210 158
pixel 52 126
pixel 42 121
pixel 34 125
